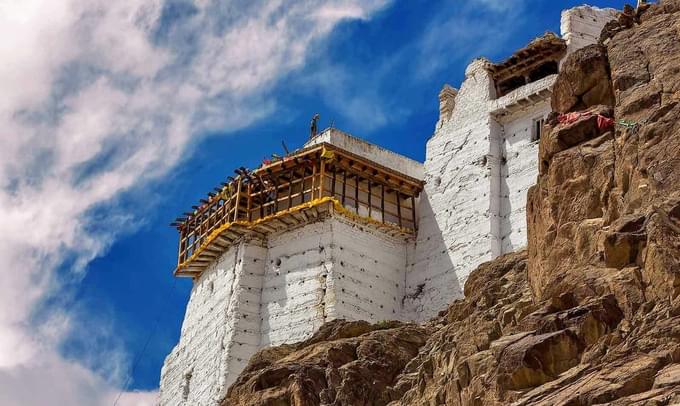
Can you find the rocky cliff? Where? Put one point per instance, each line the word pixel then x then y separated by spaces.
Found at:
pixel 590 313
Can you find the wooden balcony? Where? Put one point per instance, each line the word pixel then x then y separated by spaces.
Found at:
pixel 303 187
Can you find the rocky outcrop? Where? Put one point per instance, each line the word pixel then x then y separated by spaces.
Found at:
pixel 590 313
pixel 344 363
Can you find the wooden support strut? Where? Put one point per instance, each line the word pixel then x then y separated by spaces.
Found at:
pixel 302 184
pixel 398 206
pixel 275 181
pixel 249 205
pixel 344 186
pixel 311 195
pixel 333 183
pixel 322 173
pixel 370 205
pixel 238 198
pixel 382 202
pixel 413 212
pixel 356 192
pixel 290 188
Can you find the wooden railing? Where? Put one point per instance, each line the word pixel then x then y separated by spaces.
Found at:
pixel 360 186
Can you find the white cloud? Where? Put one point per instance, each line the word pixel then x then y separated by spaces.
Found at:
pixel 100 97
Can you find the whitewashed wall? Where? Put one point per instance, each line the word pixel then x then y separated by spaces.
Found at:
pixel 294 288
pixel 581 26
pixel 454 229
pixel 518 175
pixel 280 291
pixel 477 174
pixel 368 272
pixel 220 331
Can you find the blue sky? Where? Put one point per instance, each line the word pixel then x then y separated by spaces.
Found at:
pixel 118 124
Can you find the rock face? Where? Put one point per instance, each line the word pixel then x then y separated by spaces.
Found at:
pixel 590 313
pixel 344 363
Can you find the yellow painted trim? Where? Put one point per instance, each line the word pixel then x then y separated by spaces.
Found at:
pixel 312 203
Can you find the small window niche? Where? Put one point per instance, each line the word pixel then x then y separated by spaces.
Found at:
pixel 537 129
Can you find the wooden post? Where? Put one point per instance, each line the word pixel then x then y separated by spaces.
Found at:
pixel 344 186
pixel 311 195
pixel 322 173
pixel 290 188
pixel 398 206
pixel 276 194
pixel 333 184
pixel 382 202
pixel 356 193
pixel 238 198
pixel 262 199
pixel 249 205
pixel 413 212
pixel 370 205
pixel 180 254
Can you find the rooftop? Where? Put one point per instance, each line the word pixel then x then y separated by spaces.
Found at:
pixel 361 181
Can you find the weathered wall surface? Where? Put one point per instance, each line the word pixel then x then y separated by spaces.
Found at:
pixel 454 230
pixel 518 175
pixel 280 291
pixel 368 273
pixel 581 26
pixel 294 284
pixel 220 330
pixel 478 170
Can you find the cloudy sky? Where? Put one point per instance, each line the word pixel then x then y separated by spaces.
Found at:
pixel 116 116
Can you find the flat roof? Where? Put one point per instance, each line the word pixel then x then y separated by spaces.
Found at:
pixel 371 152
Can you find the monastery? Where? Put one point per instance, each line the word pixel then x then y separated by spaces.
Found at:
pixel 342 228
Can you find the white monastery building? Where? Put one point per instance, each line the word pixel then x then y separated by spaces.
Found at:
pixel 342 228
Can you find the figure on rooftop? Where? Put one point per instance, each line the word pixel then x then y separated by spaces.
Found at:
pixel 314 126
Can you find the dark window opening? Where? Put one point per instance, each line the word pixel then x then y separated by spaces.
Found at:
pixel 537 130
pixel 547 69
pixel 510 84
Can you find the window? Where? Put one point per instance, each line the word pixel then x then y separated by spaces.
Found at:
pixel 537 129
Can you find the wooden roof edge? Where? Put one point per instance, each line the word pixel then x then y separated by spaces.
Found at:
pixel 416 183
pixel 538 45
pixel 366 161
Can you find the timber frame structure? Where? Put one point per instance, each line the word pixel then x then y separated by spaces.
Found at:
pixel 302 187
pixel 540 58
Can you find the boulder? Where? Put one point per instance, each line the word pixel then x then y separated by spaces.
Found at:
pixel 584 81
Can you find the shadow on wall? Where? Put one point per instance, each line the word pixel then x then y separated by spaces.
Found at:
pixel 505 206
pixel 431 281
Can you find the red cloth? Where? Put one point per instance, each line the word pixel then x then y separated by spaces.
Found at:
pixel 568 118
pixel 602 122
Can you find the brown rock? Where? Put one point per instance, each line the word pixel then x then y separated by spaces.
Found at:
pixel 584 81
pixel 345 363
pixel 537 359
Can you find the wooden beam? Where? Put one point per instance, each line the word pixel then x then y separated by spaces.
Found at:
pixel 249 206
pixel 311 196
pixel 356 193
pixel 344 186
pixel 275 181
pixel 322 173
pixel 382 202
pixel 333 183
pixel 398 206
pixel 413 212
pixel 290 188
pixel 370 205
pixel 238 198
